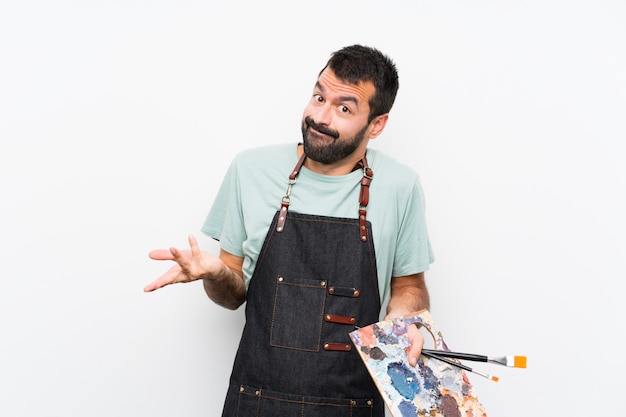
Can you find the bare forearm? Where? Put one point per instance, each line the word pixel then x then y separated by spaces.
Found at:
pixel 408 295
pixel 227 290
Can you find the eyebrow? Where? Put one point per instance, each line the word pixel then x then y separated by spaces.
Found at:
pixel 341 98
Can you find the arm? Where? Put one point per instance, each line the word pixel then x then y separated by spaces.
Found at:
pixel 409 295
pixel 230 290
pixel 222 277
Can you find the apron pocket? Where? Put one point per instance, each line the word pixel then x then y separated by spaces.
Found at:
pixel 255 402
pixel 298 313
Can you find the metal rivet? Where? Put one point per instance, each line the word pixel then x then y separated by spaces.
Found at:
pixel 280 279
pixel 326 345
pixel 362 217
pixel 347 347
pixel 331 290
pixel 323 283
pixel 357 293
pixel 257 392
pixel 280 229
pixel 283 209
pixel 282 218
pixel 327 316
pixel 352 320
pixel 362 227
pixel 352 402
pixel 363 238
pixel 369 402
pixel 241 389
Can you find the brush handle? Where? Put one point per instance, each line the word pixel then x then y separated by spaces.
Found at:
pixel 456 355
pixel 458 365
pixel 443 359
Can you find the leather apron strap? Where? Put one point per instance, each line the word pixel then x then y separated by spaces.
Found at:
pixel 364 196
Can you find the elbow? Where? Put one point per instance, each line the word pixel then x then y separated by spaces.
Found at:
pixel 234 304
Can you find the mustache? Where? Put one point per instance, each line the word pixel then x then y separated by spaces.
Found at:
pixel 330 132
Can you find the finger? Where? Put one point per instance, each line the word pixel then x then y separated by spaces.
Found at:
pixel 160 255
pixel 160 282
pixel 170 277
pixel 417 343
pixel 414 353
pixel 193 244
pixel 152 286
pixel 185 263
pixel 178 257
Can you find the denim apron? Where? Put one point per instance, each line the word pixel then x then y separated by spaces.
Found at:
pixel 314 281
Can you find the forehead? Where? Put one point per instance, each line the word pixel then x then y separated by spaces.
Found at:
pixel 329 84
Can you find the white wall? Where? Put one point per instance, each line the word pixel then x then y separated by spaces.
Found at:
pixel 117 122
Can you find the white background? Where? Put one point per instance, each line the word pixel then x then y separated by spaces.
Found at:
pixel 119 118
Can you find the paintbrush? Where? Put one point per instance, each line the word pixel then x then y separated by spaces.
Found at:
pixel 428 352
pixel 511 361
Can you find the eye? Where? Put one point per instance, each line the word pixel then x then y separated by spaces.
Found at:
pixel 344 109
pixel 318 98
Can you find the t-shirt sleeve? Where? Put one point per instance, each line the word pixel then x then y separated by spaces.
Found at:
pixel 414 253
pixel 225 220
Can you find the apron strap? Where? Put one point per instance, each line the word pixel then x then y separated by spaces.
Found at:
pixel 284 204
pixel 364 196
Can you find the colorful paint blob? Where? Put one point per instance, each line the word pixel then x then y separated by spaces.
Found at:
pixel 403 379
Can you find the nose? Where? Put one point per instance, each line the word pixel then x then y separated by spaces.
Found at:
pixel 322 115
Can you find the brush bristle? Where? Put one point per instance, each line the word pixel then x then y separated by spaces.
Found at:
pixel 519 361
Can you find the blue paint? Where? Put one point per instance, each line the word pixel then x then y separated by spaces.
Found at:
pixel 407 409
pixel 431 382
pixel 403 380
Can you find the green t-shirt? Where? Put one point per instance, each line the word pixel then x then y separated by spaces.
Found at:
pixel 256 181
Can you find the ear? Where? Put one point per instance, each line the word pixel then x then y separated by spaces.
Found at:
pixel 378 125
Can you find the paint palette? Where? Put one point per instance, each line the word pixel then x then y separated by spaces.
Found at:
pixel 430 389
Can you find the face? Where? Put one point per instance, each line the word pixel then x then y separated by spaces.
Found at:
pixel 334 124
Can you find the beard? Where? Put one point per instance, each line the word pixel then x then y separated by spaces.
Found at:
pixel 320 149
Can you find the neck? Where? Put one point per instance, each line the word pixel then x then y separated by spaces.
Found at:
pixel 342 167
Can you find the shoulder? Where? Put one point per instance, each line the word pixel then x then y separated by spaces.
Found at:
pixel 268 154
pixel 256 163
pixel 387 169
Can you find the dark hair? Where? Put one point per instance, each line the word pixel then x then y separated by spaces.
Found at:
pixel 357 63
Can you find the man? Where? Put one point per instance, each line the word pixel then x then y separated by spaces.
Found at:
pixel 316 263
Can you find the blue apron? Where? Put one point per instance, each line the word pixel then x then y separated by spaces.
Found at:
pixel 315 279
